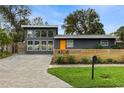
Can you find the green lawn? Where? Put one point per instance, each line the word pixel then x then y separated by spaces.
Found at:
pixel 81 77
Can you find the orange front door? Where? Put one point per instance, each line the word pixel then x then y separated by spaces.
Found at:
pixel 62 44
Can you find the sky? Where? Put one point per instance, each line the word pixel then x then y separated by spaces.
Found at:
pixel 112 17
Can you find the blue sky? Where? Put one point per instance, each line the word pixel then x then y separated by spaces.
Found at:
pixel 112 17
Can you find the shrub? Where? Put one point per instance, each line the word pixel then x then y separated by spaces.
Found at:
pixel 98 46
pixel 4 54
pixel 60 60
pixel 85 60
pixel 99 60
pixel 71 59
pixel 115 47
pixel 110 60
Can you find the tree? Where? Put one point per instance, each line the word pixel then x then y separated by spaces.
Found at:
pixel 4 39
pixel 16 15
pixel 83 22
pixel 38 21
pixel 120 33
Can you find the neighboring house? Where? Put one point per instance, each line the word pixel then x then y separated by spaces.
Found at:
pixel 40 39
pixel 83 41
pixel 43 39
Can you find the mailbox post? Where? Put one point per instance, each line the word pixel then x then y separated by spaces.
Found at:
pixel 94 59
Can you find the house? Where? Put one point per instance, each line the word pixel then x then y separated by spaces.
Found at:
pixel 39 39
pixel 43 39
pixel 83 41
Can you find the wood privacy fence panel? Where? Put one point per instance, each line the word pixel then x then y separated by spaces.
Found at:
pixel 103 53
pixel 21 47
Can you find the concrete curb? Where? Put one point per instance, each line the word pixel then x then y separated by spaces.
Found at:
pixel 84 65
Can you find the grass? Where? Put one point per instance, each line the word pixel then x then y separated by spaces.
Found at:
pixel 81 77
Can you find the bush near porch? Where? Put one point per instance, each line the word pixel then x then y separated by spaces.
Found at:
pixel 83 56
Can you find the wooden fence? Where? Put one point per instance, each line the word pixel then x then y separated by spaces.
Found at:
pixel 15 48
pixel 102 53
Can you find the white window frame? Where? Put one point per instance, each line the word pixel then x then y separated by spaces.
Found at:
pixel 102 43
pixel 68 42
pixel 32 33
pixel 32 45
pixel 41 45
pixel 35 33
pixel 48 45
pixel 46 33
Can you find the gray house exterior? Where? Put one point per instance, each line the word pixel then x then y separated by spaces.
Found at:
pixel 44 39
pixel 39 39
pixel 84 41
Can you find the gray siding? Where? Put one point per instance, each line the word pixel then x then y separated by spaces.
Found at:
pixel 56 43
pixel 85 43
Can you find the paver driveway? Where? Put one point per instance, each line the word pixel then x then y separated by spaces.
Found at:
pixel 28 71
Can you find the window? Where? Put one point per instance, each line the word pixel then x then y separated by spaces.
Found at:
pixel 36 33
pixel 50 33
pixel 70 43
pixel 30 45
pixel 104 43
pixel 50 45
pixel 43 45
pixel 44 33
pixel 29 33
pixel 36 45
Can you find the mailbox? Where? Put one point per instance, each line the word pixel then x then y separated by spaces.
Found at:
pixel 94 59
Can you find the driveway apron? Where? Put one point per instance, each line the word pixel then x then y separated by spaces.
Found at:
pixel 28 71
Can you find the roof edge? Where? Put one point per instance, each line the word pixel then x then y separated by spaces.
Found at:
pixel 85 36
pixel 39 26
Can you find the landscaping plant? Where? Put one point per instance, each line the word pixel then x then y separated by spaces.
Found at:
pixel 71 59
pixel 60 60
pixel 110 60
pixel 5 54
pixel 85 60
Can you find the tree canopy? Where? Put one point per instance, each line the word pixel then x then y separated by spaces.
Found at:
pixel 120 33
pixel 4 38
pixel 83 22
pixel 16 15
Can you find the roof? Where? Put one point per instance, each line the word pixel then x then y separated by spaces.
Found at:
pixel 39 26
pixel 85 36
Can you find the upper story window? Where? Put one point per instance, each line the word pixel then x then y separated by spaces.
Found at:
pixel 50 33
pixel 36 33
pixel 104 43
pixel 43 33
pixel 70 43
pixel 30 33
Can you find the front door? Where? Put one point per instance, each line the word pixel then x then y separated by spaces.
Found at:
pixel 62 44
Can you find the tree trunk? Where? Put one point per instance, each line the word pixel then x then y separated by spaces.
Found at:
pixel 7 48
pixel 2 48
